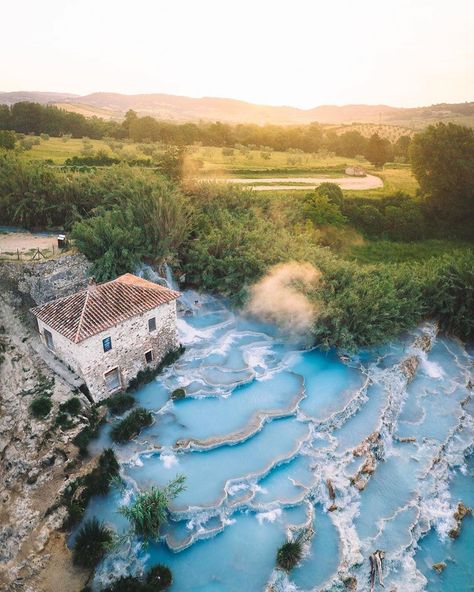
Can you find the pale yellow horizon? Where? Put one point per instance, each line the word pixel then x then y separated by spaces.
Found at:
pixel 301 53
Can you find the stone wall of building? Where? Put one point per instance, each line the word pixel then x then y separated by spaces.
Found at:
pixel 42 281
pixel 130 341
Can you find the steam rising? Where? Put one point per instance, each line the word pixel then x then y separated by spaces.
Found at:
pixel 281 297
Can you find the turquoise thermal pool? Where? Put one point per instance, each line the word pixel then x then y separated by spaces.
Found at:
pixel 267 429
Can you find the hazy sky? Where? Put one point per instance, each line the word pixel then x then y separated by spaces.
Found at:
pixel 293 52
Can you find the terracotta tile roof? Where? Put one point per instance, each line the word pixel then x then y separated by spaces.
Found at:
pixel 102 306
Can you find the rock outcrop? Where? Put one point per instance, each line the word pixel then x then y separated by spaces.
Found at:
pixel 376 569
pixel 439 567
pixel 42 281
pixel 461 512
pixel 35 464
pixel 409 367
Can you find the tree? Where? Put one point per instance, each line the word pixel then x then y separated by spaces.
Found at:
pixel 442 160
pixel 321 210
pixel 370 219
pixel 332 191
pixel 171 162
pixel 402 146
pixel 7 140
pixel 378 150
pixel 352 143
pixel 149 511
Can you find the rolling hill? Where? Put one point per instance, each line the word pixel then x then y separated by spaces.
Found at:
pixel 180 109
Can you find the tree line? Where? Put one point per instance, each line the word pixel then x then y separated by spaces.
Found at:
pixel 33 118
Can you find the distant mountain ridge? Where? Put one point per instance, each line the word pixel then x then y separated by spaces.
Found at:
pixel 9 98
pixel 181 109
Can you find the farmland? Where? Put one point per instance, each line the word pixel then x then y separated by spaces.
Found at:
pixel 212 162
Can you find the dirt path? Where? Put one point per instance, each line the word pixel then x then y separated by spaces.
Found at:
pixel 25 241
pixel 281 183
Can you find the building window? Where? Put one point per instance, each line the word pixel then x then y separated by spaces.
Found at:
pixel 152 324
pixel 149 357
pixel 107 344
pixel 112 380
pixel 49 339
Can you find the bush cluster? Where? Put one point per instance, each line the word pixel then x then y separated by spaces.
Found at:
pixel 157 579
pixel 97 482
pixel 41 406
pixel 120 403
pixel 91 544
pixel 131 425
pixel 148 374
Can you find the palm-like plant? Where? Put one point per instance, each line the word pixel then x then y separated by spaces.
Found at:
pixel 92 543
pixel 150 509
pixel 159 578
pixel 289 554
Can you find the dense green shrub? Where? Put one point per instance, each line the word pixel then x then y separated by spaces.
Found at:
pixel 363 306
pixel 131 425
pixel 332 191
pixel 396 217
pixel 448 293
pixel 112 241
pixel 7 140
pixel 64 421
pixel 99 479
pixel 147 217
pixel 238 239
pixel 77 494
pixel 101 158
pixel 92 543
pixel 41 406
pixel 82 439
pixel 72 406
pixel 127 584
pixel 120 403
pixel 322 211
pixel 178 393
pixel 67 410
pixel 159 577
pixel 289 554
pixel 148 374
pixel 89 432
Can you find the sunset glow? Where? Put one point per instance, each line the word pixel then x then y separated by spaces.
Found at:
pixel 302 53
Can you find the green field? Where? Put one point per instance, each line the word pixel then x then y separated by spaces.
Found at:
pixel 57 150
pixel 252 162
pixel 384 251
pixel 212 162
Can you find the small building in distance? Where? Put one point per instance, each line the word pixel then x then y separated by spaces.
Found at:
pixel 107 333
pixel 355 171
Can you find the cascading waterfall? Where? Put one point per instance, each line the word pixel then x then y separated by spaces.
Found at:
pixel 368 455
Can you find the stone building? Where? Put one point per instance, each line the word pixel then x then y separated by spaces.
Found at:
pixel 355 171
pixel 107 333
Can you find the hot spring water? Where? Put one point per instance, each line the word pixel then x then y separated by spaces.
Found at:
pixel 265 425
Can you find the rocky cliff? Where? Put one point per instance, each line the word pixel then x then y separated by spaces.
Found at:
pixel 37 457
pixel 42 281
